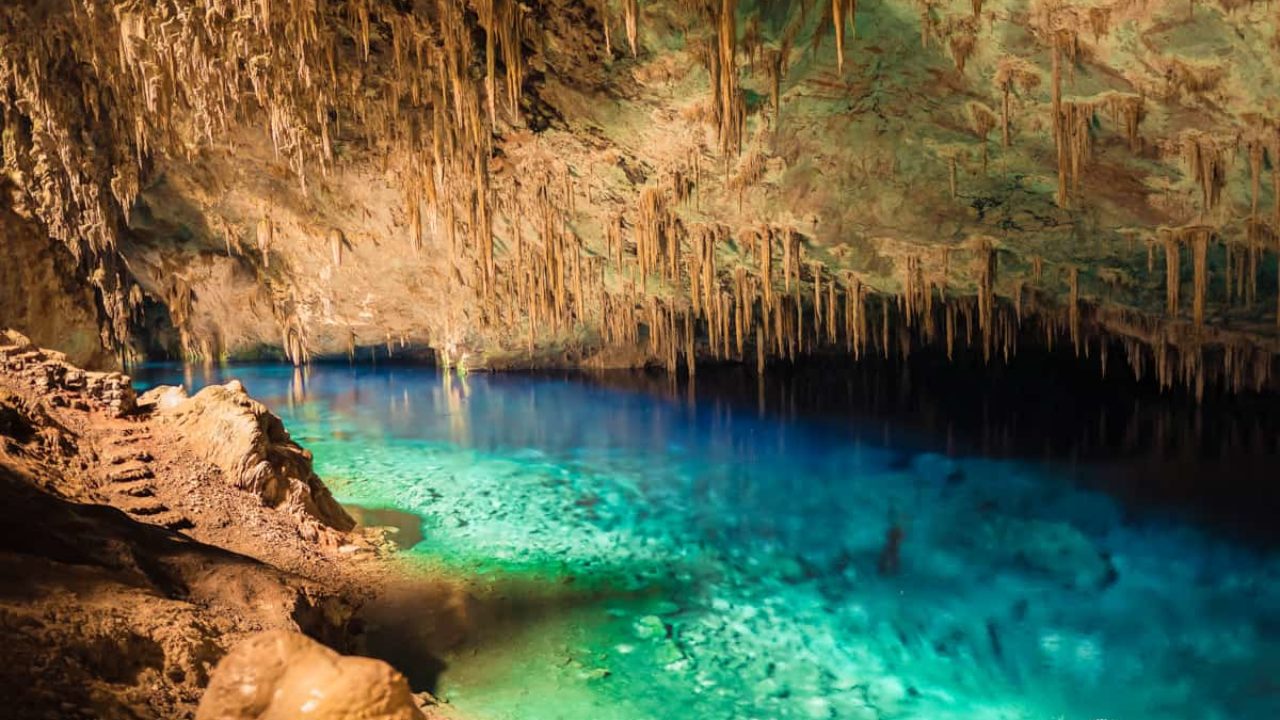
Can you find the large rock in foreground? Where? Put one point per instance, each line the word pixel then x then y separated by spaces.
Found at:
pixel 282 676
pixel 252 448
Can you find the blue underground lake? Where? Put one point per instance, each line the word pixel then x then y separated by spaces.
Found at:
pixel 726 550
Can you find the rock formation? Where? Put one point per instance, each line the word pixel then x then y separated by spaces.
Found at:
pixel 49 373
pixel 281 676
pixel 250 446
pixel 140 541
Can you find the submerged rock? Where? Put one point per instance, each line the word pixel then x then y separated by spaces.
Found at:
pixel 886 693
pixel 650 627
pixel 1056 549
pixel 282 676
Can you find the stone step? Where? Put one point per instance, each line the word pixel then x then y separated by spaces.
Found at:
pixel 144 507
pixel 122 457
pixel 137 489
pixel 172 521
pixel 131 438
pixel 129 473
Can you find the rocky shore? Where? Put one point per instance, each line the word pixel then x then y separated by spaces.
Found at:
pixel 142 539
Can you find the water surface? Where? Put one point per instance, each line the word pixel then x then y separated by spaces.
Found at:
pixel 722 554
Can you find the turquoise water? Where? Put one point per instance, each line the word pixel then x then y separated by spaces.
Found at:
pixel 699 558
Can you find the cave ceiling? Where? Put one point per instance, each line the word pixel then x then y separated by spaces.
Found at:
pixel 589 182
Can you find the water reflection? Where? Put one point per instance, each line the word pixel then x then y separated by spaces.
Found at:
pixel 1145 447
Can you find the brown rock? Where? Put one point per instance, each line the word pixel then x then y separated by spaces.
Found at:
pixel 282 676
pixel 250 445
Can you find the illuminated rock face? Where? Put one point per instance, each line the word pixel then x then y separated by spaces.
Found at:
pixel 250 445
pixel 281 675
pixel 604 182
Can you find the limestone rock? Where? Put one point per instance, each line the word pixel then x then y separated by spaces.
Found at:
pixel 249 444
pixel 49 372
pixel 282 676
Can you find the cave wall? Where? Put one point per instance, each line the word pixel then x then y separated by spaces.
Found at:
pixel 42 297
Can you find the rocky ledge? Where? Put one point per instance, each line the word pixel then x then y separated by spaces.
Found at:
pixel 142 539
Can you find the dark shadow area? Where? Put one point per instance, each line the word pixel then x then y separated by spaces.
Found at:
pixel 419 622
pixel 91 600
pixel 1214 459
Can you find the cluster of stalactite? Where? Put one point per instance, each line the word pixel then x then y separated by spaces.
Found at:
pixel 91 92
pixel 77 191
pixel 982 120
pixel 1190 359
pixel 836 313
pixel 410 83
pixel 1242 263
pixel 427 85
pixel 1013 74
pixel 764 309
pixel 961 34
pixel 1206 161
pixel 1073 120
pixel 729 106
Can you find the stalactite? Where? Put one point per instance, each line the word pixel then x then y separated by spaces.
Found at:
pixel 631 17
pixel 1056 49
pixel 266 234
pixel 602 7
pixel 1256 151
pixel 501 20
pixel 832 303
pixel 818 296
pixel 843 12
pixel 1173 274
pixel 765 255
pixel 295 341
pixel 789 259
pixel 950 331
pixel 1073 307
pixel 1199 259
pixel 1073 143
pixel 1274 150
pixel 884 329
pixel 986 265
pixel 775 61
pixel 336 241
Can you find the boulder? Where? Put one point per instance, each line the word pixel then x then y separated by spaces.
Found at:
pixel 280 675
pixel 249 444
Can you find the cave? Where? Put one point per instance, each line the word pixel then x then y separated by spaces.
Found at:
pixel 558 359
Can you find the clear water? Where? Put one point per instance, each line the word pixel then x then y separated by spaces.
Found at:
pixel 689 557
